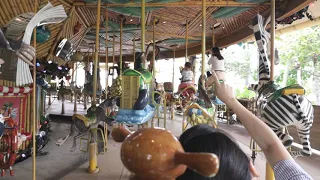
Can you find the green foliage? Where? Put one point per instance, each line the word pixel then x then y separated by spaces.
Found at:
pixel 244 93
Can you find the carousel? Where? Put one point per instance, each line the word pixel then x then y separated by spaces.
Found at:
pixel 49 46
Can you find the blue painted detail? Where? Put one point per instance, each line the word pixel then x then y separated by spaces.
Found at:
pixel 194 111
pixel 129 116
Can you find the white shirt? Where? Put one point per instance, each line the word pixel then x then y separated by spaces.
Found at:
pixel 187 75
pixel 216 64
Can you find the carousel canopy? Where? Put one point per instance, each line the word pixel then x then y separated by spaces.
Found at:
pixel 227 21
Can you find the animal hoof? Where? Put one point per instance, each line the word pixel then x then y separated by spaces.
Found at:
pixel 288 142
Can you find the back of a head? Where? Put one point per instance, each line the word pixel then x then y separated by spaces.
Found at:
pixel 234 164
pixel 216 52
pixel 188 65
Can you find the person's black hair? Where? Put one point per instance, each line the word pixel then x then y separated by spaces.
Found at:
pixel 209 74
pixel 234 163
pixel 188 65
pixel 216 52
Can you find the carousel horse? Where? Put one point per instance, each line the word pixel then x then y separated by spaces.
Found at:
pixel 82 124
pixel 141 155
pixel 280 107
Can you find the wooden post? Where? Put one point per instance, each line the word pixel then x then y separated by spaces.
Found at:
pixel 34 101
pixel 269 171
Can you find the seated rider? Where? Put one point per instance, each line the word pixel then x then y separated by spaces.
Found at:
pixel 187 79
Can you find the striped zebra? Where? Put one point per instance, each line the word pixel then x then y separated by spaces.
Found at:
pixel 280 111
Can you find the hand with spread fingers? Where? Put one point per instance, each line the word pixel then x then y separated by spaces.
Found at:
pixel 223 91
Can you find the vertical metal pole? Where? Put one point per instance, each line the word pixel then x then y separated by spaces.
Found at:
pixel 154 50
pixel 96 57
pixel 213 38
pixel 187 32
pixel 120 57
pixel 273 20
pixel 107 52
pixel 113 48
pixel 134 50
pixel 173 65
pixel 269 171
pixel 34 101
pixel 203 47
pixel 93 163
pixel 143 29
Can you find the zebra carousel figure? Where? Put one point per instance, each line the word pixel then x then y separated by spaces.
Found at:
pixel 280 107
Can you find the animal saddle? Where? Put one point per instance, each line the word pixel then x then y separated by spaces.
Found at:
pixel 293 89
pixel 88 119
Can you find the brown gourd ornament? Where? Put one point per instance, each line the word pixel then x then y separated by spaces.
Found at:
pixel 155 154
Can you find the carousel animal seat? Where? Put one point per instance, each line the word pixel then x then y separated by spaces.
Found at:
pixel 87 120
pixel 293 89
pixel 135 117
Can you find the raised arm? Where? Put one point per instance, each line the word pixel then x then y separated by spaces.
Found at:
pixel 258 130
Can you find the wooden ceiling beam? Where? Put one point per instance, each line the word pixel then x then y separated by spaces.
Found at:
pixel 63 26
pixel 176 4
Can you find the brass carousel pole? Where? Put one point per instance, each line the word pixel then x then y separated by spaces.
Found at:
pixel 143 29
pixel 134 50
pixel 121 36
pixel 269 171
pixel 107 61
pixel 203 47
pixel 34 102
pixel 113 52
pixel 93 164
pixel 107 78
pixel 173 65
pixel 154 65
pixel 187 32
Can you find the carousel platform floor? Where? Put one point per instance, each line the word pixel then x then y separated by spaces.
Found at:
pixel 65 165
pixel 56 107
pixel 111 166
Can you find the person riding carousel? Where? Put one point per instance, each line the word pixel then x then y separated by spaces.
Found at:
pixel 217 65
pixel 186 80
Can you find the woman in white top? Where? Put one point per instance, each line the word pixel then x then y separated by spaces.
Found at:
pixel 217 65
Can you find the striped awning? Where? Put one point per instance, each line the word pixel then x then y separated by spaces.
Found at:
pixel 13 91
